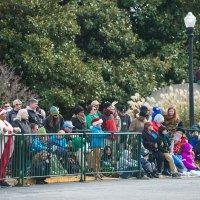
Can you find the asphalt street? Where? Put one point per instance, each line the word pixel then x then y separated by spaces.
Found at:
pixel 156 189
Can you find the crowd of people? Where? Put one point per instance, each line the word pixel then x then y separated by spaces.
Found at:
pixel 110 146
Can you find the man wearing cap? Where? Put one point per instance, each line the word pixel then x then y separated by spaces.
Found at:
pixel 17 105
pixel 32 112
pixel 54 122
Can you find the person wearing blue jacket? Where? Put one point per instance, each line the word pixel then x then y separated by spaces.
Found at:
pixel 97 142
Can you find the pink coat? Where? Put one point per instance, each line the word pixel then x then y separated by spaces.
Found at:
pixel 188 157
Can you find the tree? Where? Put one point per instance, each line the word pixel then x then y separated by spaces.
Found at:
pixel 11 87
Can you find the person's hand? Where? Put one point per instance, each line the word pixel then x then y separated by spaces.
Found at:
pixel 16 130
pixel 5 129
pixel 156 145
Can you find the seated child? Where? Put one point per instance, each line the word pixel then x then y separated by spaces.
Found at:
pixel 188 157
pixel 106 160
pixel 148 167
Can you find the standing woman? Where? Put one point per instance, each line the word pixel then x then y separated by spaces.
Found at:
pixel 21 121
pixel 6 146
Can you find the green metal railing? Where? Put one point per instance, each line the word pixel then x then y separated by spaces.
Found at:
pixel 81 154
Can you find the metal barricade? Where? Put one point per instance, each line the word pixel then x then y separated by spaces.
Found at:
pixel 40 156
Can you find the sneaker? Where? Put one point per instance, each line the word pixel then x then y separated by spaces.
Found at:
pixel 4 184
pixel 176 175
pixel 155 175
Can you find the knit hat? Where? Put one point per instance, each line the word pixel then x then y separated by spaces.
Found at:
pixel 95 103
pixel 78 109
pixel 144 152
pixel 159 119
pixel 54 110
pixel 97 121
pixel 143 111
pixel 107 104
pixel 68 124
pixel 156 110
pixel 16 101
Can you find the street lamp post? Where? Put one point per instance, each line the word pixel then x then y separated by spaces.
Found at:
pixel 190 21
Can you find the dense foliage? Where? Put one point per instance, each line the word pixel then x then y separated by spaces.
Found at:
pixel 73 51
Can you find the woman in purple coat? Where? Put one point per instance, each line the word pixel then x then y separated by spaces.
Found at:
pixel 188 157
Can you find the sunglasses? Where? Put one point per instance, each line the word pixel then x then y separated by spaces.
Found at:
pixel 18 104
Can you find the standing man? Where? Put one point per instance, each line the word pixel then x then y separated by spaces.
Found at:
pixel 17 105
pixel 32 112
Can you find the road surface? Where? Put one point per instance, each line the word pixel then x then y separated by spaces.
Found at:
pixel 132 189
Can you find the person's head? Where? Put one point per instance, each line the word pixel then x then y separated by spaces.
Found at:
pixel 145 153
pixel 96 104
pixel 122 110
pixel 68 126
pixel 163 130
pixel 17 104
pixel 171 112
pixel 54 111
pixel 79 110
pixel 155 111
pixel 33 103
pixel 107 150
pixel 108 109
pixel 22 114
pixel 97 122
pixel 144 112
pixel 34 128
pixel 148 126
pixel 92 110
pixel 6 106
pixel 3 114
pixel 159 119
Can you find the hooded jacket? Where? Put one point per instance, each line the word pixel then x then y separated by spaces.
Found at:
pixel 188 157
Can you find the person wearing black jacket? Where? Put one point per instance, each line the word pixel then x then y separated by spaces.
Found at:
pixel 13 113
pixel 34 117
pixel 164 147
pixel 151 141
pixel 79 119
pixel 55 121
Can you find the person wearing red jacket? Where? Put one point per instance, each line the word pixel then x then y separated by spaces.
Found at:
pixel 109 123
pixel 157 122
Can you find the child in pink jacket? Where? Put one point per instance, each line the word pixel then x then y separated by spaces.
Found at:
pixel 188 157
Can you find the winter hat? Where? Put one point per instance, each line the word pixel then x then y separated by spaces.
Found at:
pixel 144 152
pixel 143 111
pixel 95 103
pixel 156 110
pixel 107 104
pixel 54 110
pixel 78 109
pixel 159 119
pixel 68 124
pixel 97 121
